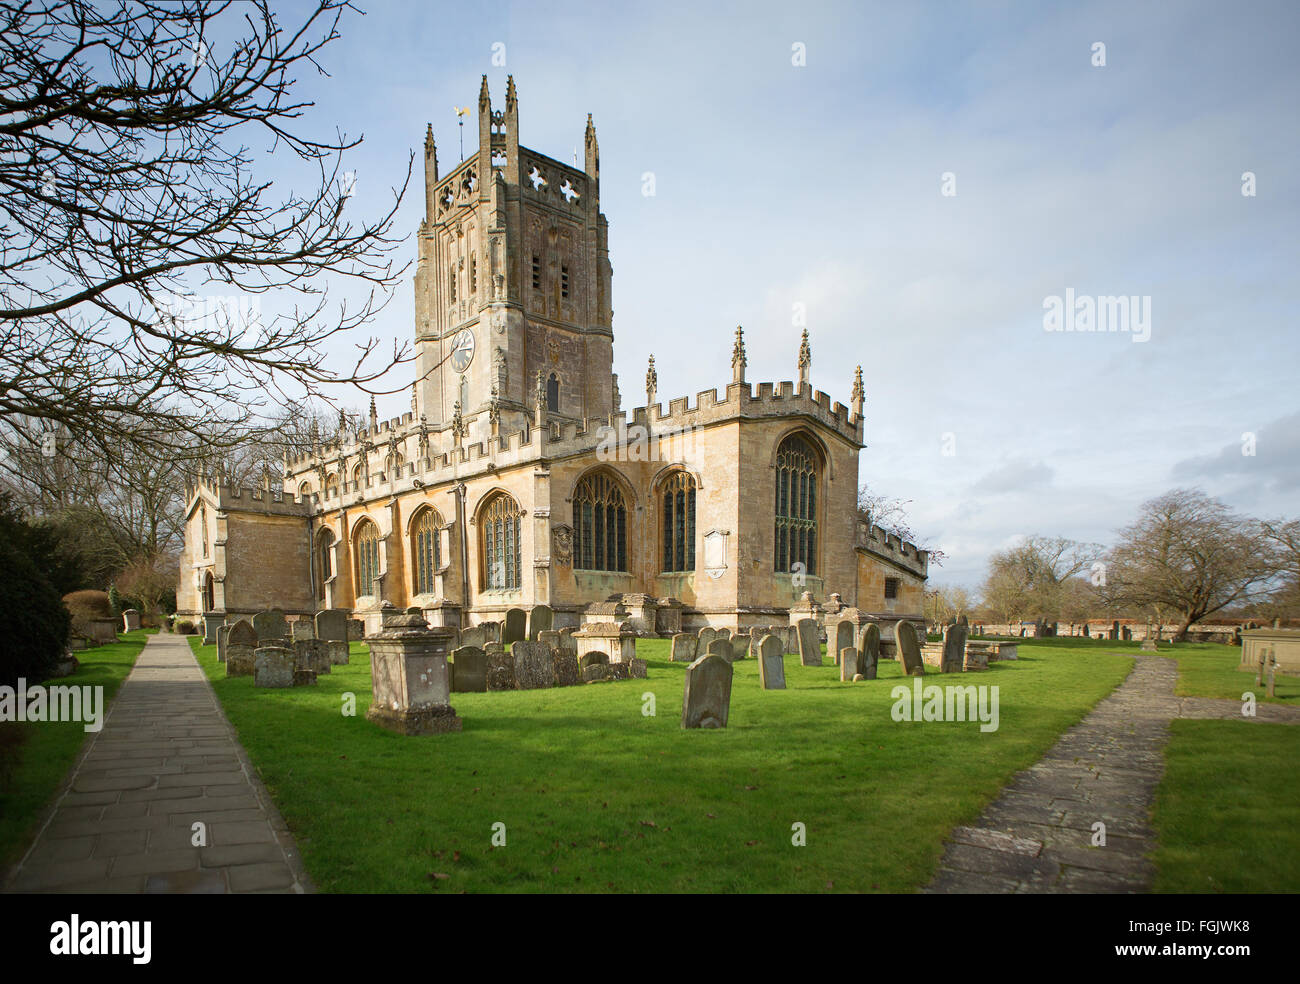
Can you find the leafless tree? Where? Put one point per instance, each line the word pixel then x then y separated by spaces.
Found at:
pixel 137 238
pixel 890 514
pixel 1187 556
pixel 1032 577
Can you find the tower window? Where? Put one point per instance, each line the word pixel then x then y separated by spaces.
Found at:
pixel 564 281
pixel 537 273
pixel 553 393
pixel 451 284
pixel 473 274
pixel 891 588
pixel 796 507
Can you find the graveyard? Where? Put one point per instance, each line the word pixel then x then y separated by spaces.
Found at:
pixel 596 795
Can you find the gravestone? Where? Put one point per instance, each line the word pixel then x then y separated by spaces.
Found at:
pixel 740 642
pixel 684 650
pixel 771 663
pixel 618 671
pixel 332 625
pixel 533 667
pixel 549 637
pixel 539 621
pixel 1128 634
pixel 844 639
pixel 516 626
pixel 270 626
pixel 500 669
pixel 223 639
pixel 303 628
pixel 723 633
pixel 211 622
pixel 408 672
pixel 1114 630
pixel 706 700
pixel 273 667
pixel 790 640
pixel 705 636
pixel 336 651
pixel 309 654
pixel 810 647
pixel 241 646
pixel 475 635
pixel 755 637
pixel 869 653
pixel 565 665
pixel 849 669
pixel 636 669
pixel 954 647
pixel 356 630
pixel 909 650
pixel 595 673
pixel 722 647
pixel 130 620
pixel 469 670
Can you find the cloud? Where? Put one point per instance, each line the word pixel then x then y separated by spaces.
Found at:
pixel 1269 457
pixel 1014 476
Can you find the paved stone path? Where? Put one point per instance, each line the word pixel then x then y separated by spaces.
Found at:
pixel 1037 835
pixel 166 758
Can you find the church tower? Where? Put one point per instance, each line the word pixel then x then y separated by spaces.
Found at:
pixel 513 280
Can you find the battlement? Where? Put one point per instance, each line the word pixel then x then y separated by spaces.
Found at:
pixel 893 548
pixel 245 498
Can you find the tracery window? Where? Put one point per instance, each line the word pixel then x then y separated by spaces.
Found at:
pixel 427 553
pixel 499 543
pixel 796 506
pixel 367 553
pixel 599 525
pixel 678 523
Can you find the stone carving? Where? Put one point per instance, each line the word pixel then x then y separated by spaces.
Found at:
pixel 810 649
pixel 562 552
pixel 706 700
pixel 771 663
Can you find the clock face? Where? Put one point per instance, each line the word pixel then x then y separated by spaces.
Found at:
pixel 462 351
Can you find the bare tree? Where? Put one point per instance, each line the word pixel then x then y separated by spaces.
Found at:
pixel 1031 578
pixel 1187 556
pixel 890 514
pixel 136 239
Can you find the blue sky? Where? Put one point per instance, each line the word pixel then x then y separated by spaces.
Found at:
pixel 820 185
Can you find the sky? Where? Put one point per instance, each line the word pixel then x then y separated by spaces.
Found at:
pixel 921 185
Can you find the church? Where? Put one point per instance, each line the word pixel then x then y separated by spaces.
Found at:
pixel 516 479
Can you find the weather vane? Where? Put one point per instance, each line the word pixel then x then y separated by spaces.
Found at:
pixel 461 113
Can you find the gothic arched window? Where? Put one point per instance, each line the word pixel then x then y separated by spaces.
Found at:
pixel 599 525
pixel 366 548
pixel 678 519
pixel 553 393
pixel 324 560
pixel 203 525
pixel 427 558
pixel 331 485
pixel 499 543
pixel 796 506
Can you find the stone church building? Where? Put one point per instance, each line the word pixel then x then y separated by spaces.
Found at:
pixel 516 480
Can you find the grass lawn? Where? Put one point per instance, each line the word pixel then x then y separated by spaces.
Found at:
pixel 597 796
pixel 39 755
pixel 1227 813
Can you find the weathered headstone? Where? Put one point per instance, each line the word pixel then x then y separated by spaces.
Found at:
pixel 909 649
pixel 241 646
pixel 533 667
pixel 469 670
pixel 684 644
pixel 722 647
pixel 273 667
pixel 869 651
pixel 739 645
pixel 270 626
pixel 705 636
pixel 332 625
pixel 706 700
pixel 223 639
pixel 771 662
pixel 336 651
pixel 565 664
pixel 595 673
pixel 539 621
pixel 844 639
pixel 130 620
pixel 810 647
pixel 1128 634
pixel 408 672
pixel 618 671
pixel 500 669
pixel 849 667
pixel 954 647
pixel 516 626
pixel 309 654
pixel 474 635
pixel 636 669
pixel 303 628
pixel 723 633
pixel 755 637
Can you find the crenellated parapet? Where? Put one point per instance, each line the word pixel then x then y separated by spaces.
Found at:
pixel 893 548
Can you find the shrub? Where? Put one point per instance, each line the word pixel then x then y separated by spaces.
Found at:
pixel 33 621
pixel 89 604
pixel 185 627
